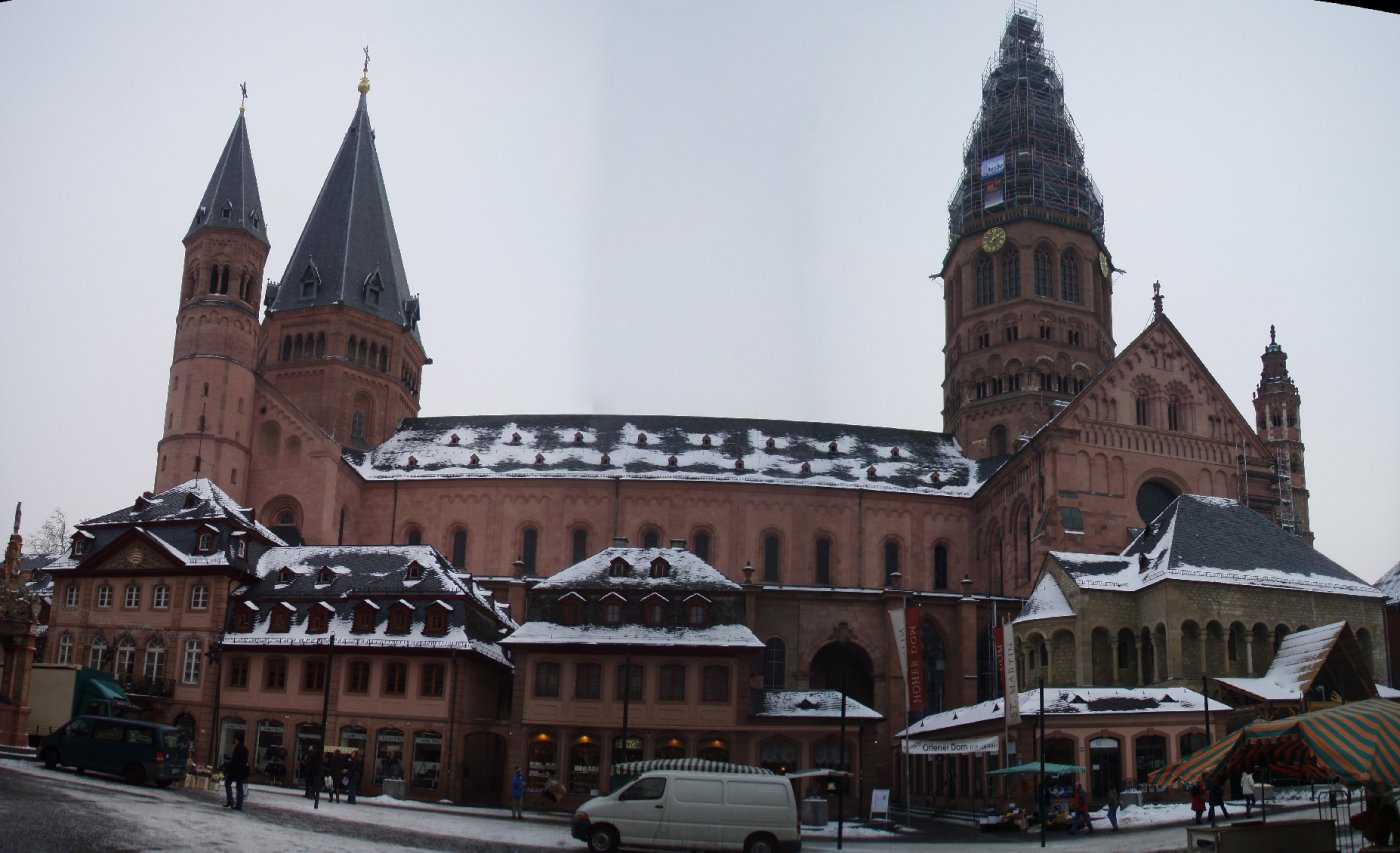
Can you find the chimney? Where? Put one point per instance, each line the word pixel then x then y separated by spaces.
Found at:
pixel 619 541
pixel 678 544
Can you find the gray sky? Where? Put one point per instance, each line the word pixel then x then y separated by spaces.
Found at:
pixel 719 208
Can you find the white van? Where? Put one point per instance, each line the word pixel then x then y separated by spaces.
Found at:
pixel 694 810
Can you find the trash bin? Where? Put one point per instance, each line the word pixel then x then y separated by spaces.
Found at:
pixel 814 812
pixel 394 788
pixel 1131 797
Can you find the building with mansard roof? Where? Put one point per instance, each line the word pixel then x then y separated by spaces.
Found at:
pixel 300 399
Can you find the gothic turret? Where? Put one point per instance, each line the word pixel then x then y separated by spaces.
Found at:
pixel 1276 412
pixel 1027 278
pixel 208 412
pixel 341 332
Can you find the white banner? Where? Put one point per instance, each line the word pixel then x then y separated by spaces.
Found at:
pixel 1013 689
pixel 990 743
pixel 897 620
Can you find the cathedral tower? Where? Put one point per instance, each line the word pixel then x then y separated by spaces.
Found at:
pixel 1276 413
pixel 341 331
pixel 208 410
pixel 1027 278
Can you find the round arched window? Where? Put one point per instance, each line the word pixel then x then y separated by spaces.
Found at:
pixel 1153 497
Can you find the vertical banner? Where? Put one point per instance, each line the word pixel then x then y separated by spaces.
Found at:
pixel 914 668
pixel 993 173
pixel 1013 688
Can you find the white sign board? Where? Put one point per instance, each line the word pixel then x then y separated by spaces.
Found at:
pixel 990 743
pixel 880 803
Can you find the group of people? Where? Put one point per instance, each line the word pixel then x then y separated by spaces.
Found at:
pixel 1079 808
pixel 340 772
pixel 1211 793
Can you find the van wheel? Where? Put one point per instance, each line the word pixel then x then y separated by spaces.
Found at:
pixel 135 774
pixel 50 758
pixel 761 844
pixel 603 839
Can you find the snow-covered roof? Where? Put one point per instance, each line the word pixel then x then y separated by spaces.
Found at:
pixel 685 572
pixel 1213 540
pixel 607 447
pixel 197 499
pixel 1047 601
pixel 542 633
pixel 1389 583
pixel 1069 701
pixel 809 705
pixel 1295 665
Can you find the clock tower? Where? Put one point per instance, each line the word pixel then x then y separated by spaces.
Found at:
pixel 1027 278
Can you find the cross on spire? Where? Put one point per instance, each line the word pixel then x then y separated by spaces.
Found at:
pixel 243 106
pixel 1156 299
pixel 366 60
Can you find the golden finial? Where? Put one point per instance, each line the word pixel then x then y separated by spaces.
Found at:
pixel 364 81
pixel 243 107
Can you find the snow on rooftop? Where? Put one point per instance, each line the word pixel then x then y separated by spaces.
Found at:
pixel 682 569
pixel 1296 663
pixel 811 705
pixel 553 634
pixel 1068 701
pixel 1046 602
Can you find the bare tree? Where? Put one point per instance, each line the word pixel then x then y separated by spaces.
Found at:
pixel 51 538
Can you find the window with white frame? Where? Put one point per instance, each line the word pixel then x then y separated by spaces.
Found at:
pixel 104 596
pixel 155 658
pixel 193 652
pixel 65 649
pixel 133 595
pixel 97 654
pixel 160 597
pixel 70 596
pixel 199 597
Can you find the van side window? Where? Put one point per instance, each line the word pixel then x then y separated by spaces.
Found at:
pixel 650 788
pixel 102 730
pixel 79 728
pixel 136 734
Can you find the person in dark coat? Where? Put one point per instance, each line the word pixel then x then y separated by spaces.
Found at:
pixel 236 772
pixel 311 770
pixel 517 794
pixel 1115 799
pixel 1217 797
pixel 353 772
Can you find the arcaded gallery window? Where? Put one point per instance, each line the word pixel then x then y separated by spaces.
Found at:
pixel 388 755
pixel 585 757
pixel 427 760
pixel 1151 753
pixel 670 746
pixel 778 755
pixel 713 749
pixel 542 760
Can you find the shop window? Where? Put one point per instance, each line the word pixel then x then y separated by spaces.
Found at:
pixel 388 755
pixel 542 761
pixel 778 755
pixel 427 760
pixel 670 747
pixel 714 749
pixel 585 757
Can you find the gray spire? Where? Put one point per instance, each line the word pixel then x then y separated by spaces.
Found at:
pixel 232 201
pixel 348 253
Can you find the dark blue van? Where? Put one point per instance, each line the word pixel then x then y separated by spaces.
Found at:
pixel 137 751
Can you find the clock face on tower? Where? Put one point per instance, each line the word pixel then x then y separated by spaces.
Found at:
pixel 993 239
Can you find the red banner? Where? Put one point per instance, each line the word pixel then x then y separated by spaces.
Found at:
pixel 915 655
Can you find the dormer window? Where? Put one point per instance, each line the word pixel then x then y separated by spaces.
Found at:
pixel 318 620
pixel 325 575
pixel 79 546
pixel 310 281
pixel 654 610
pixel 243 619
pixel 374 288
pixel 228 210
pixel 413 572
pixel 660 568
pixel 364 618
pixel 281 619
pixel 697 611
pixel 571 609
pixel 284 575
pixel 240 548
pixel 612 609
pixel 399 618
pixel 619 568
pixel 435 621
pixel 204 542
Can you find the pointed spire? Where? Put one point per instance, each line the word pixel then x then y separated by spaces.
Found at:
pixel 1023 155
pixel 348 252
pixel 231 200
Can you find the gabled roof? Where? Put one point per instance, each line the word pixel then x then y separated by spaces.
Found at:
pixel 1046 602
pixel 824 705
pixel 349 248
pixel 1300 658
pixel 1213 540
pixel 607 447
pixel 1389 583
pixel 193 500
pixel 231 199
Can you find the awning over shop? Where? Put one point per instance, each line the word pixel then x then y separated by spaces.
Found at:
pixel 1051 769
pixel 637 768
pixel 964 746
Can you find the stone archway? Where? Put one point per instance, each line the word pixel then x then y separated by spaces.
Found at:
pixel 844 661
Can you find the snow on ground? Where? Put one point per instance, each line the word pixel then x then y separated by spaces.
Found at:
pixel 193 820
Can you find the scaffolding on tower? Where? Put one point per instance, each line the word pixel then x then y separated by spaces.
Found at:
pixel 1287 519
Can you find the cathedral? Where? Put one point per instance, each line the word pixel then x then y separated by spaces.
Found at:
pixel 294 405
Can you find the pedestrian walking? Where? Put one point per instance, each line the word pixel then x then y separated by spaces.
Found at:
pixel 1079 811
pixel 311 770
pixel 1247 788
pixel 332 792
pixel 236 771
pixel 1217 797
pixel 1198 799
pixel 1115 799
pixel 353 772
pixel 517 794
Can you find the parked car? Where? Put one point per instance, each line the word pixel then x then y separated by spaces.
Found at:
pixel 694 810
pixel 138 751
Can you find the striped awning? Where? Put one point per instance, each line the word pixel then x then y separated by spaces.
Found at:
pixel 1358 743
pixel 637 768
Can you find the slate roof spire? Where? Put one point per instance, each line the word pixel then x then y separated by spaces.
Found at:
pixel 348 252
pixel 231 200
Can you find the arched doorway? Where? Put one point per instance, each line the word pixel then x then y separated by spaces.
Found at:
pixel 1105 765
pixel 845 663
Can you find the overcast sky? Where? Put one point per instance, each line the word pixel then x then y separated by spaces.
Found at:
pixel 718 208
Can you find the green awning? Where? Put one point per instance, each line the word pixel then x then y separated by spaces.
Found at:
pixel 1051 769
